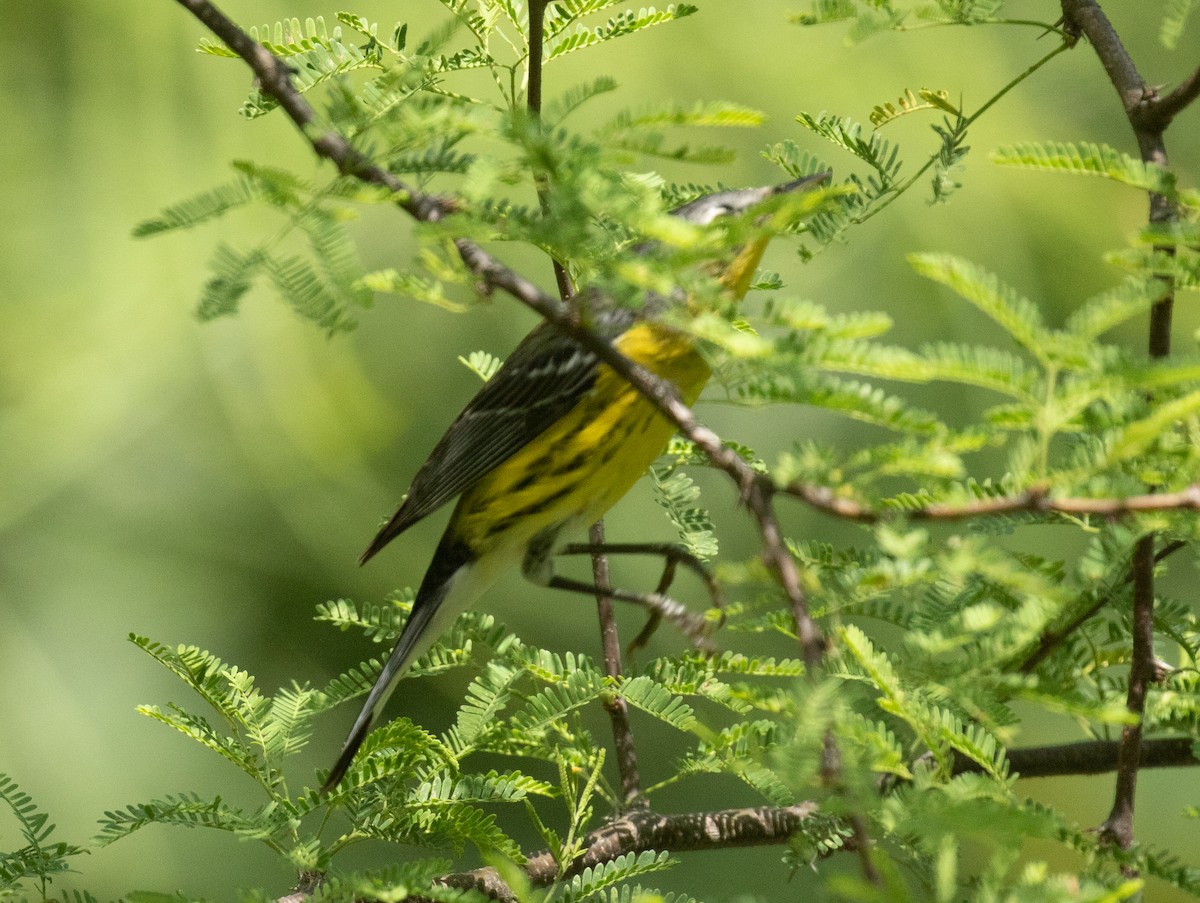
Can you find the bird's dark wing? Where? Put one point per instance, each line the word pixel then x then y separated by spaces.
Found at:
pixel 541 381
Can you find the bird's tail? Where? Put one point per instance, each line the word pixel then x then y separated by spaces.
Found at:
pixel 402 656
pixel 448 588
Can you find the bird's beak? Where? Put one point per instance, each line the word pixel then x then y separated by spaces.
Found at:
pixel 804 182
pixel 738 274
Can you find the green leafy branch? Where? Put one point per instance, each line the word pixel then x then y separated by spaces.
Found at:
pixel 40 858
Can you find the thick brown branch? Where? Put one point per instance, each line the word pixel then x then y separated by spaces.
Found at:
pixel 1086 17
pixel 1148 111
pixel 533 102
pixel 642 830
pixel 1091 757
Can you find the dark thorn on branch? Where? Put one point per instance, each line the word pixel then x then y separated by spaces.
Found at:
pixel 1169 105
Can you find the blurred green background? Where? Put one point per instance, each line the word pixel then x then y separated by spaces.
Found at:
pixel 211 483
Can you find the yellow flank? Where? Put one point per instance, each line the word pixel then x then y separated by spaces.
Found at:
pixel 579 467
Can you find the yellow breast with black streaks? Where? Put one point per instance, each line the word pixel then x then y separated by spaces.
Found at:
pixel 579 467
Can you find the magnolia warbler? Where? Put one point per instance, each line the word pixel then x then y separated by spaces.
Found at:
pixel 552 440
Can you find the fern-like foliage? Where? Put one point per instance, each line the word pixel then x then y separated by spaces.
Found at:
pixel 40 858
pixel 600 881
pixel 185 810
pixel 866 18
pixel 260 735
pixel 940 636
pixel 1174 22
pixel 861 195
pixel 562 41
pixel 1087 159
pixel 1178 264
pixel 263 731
pixel 677 493
pixel 879 154
pixel 574 98
pixel 909 103
pixel 961 12
pixel 208 205
pixel 323 294
pixel 869 17
pixel 314 54
pixel 1018 316
pixel 950 155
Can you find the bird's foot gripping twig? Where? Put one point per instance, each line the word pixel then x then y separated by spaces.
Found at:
pixel 697 628
pixel 673 555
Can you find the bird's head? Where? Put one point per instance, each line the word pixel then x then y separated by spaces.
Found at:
pixel 737 268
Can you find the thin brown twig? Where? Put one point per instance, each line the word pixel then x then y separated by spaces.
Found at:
pixel 533 84
pixel 1169 105
pixel 831 776
pixel 758 494
pixel 1118 827
pixel 533 102
pixel 1037 500
pixel 614 703
pixel 610 642
pixel 1051 639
